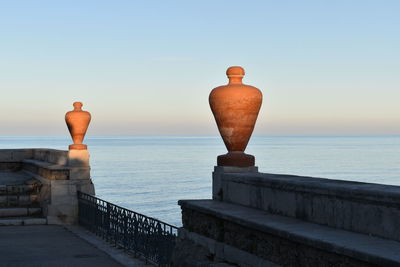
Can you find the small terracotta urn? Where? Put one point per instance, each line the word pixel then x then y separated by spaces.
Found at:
pixel 235 107
pixel 77 121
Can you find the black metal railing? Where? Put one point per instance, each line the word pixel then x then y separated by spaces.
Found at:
pixel 143 236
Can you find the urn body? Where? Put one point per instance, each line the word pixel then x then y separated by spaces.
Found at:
pixel 77 121
pixel 235 107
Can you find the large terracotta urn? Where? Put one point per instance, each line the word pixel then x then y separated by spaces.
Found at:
pixel 77 121
pixel 235 107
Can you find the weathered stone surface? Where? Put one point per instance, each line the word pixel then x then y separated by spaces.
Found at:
pixel 78 158
pixel 20 154
pixel 19 200
pixel 195 250
pixel 10 166
pixel 335 203
pixel 46 170
pixel 61 175
pixel 6 155
pixel 218 173
pixel 58 157
pixel 10 178
pixel 63 207
pixel 283 240
pixel 79 173
pixel 189 254
pixel 15 155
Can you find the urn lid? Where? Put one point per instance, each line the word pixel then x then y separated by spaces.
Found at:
pixel 235 71
pixel 235 74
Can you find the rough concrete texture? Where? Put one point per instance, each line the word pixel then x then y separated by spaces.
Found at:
pixel 283 240
pixel 371 209
pixel 48 246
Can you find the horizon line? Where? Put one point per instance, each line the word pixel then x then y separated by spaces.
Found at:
pixel 166 134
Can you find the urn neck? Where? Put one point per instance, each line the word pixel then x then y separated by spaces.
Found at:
pixel 235 79
pixel 77 106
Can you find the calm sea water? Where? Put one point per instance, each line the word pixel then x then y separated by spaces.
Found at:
pixel 149 174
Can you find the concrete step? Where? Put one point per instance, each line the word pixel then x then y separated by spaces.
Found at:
pixel 18 200
pixel 18 212
pixel 22 221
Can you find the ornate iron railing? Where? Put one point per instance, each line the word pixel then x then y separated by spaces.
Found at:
pixel 143 236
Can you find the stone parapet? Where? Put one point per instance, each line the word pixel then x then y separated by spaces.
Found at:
pixel 15 155
pixel 59 157
pixel 290 220
pixel 276 239
pixel 366 208
pixel 55 156
pixel 48 163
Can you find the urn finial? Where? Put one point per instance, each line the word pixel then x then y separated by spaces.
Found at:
pixel 77 121
pixel 235 74
pixel 235 108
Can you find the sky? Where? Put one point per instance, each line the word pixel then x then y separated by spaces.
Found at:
pixel 147 67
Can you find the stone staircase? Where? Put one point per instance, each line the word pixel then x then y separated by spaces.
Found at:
pixel 19 193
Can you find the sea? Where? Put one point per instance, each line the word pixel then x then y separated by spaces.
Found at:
pixel 149 174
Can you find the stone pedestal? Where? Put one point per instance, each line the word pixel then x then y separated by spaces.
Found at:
pixel 78 158
pixel 64 202
pixel 78 162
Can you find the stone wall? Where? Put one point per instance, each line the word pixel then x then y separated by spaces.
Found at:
pixel 335 203
pixel 61 173
pixel 268 249
pixel 259 219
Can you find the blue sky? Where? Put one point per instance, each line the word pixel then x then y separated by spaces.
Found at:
pixel 147 67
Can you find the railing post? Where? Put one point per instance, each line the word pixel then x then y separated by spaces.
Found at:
pixel 108 221
pixel 125 231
